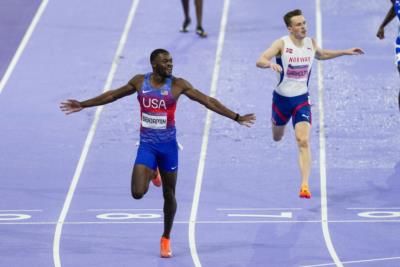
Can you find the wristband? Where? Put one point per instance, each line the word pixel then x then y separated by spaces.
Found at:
pixel 237 117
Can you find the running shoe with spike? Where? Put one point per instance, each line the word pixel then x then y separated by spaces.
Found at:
pixel 165 248
pixel 200 32
pixel 304 192
pixel 157 179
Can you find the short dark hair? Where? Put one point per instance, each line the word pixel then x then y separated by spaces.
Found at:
pixel 156 52
pixel 288 16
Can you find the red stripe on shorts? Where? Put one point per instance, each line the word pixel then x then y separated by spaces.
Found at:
pixel 275 108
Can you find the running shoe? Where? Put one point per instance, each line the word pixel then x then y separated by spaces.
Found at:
pixel 185 25
pixel 165 248
pixel 200 32
pixel 304 192
pixel 157 179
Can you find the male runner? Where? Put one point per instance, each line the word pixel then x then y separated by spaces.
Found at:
pixel 294 57
pixel 393 11
pixel 158 93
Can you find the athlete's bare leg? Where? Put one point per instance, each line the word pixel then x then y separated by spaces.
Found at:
pixel 141 177
pixel 398 68
pixel 186 22
pixel 278 132
pixel 169 182
pixel 199 12
pixel 302 132
pixel 199 16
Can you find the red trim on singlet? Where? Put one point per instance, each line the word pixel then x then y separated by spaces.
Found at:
pixel 277 111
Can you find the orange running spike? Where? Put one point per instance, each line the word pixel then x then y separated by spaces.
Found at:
pixel 165 248
pixel 157 179
pixel 304 192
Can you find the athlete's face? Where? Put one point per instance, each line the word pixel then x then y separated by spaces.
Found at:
pixel 163 65
pixel 298 27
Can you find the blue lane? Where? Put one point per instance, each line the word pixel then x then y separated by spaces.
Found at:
pixel 362 120
pixel 104 186
pixel 39 145
pixel 15 18
pixel 246 169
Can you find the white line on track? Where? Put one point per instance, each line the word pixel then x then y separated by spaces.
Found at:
pixel 122 209
pixel 23 44
pixel 21 210
pixel 203 152
pixel 260 209
pixel 138 221
pixel 322 144
pixel 381 208
pixel 89 138
pixel 355 262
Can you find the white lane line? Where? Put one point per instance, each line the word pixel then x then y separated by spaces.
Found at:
pixel 281 215
pixel 251 209
pixel 89 138
pixel 23 44
pixel 141 221
pixel 21 210
pixel 123 209
pixel 355 262
pixel 389 208
pixel 322 144
pixel 203 152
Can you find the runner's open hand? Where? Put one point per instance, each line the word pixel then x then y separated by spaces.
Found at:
pixel 70 106
pixel 276 67
pixel 354 51
pixel 247 120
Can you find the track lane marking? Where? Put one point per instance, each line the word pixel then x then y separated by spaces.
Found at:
pixel 90 136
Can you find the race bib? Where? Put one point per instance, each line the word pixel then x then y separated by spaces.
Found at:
pixel 154 121
pixel 297 72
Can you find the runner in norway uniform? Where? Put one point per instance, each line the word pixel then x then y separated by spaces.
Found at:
pixel 158 146
pixel 294 56
pixel 394 11
pixel 291 98
pixel 397 11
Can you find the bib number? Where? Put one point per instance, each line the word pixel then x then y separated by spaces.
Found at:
pixel 154 121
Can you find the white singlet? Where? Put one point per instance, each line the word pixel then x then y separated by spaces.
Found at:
pixel 296 65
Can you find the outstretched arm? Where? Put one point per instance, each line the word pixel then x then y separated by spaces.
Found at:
pixel 264 61
pixel 213 104
pixel 72 105
pixel 323 54
pixel 388 18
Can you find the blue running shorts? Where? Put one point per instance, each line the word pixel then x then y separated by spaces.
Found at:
pixel 283 108
pixel 161 155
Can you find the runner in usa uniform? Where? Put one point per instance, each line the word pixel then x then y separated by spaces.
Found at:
pixel 294 57
pixel 158 93
pixel 394 11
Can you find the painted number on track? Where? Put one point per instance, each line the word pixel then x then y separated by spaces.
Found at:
pixel 380 214
pixel 127 216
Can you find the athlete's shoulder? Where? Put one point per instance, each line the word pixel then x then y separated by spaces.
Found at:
pixel 180 82
pixel 180 85
pixel 137 79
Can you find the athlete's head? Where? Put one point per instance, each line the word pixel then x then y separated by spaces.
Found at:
pixel 296 23
pixel 161 61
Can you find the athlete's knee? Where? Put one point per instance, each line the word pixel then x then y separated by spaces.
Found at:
pixel 302 142
pixel 169 195
pixel 137 194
